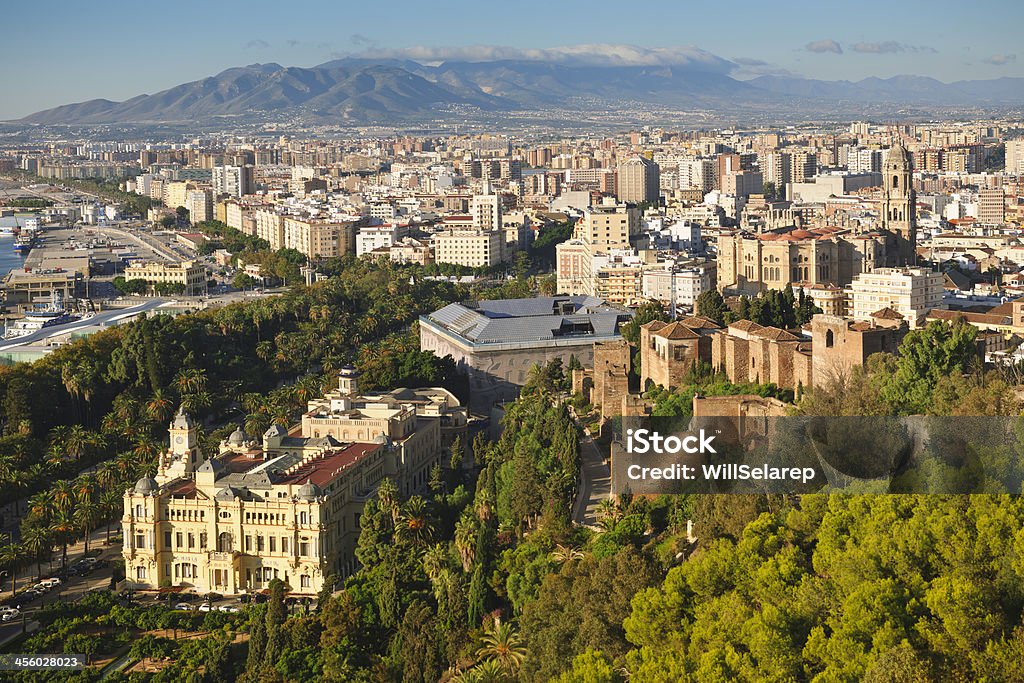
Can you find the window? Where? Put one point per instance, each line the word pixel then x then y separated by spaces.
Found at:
pixel 138 511
pixel 178 540
pixel 167 539
pixel 191 541
pixel 304 548
pixel 140 541
pixel 304 581
pixel 829 339
pixel 284 545
pixel 273 544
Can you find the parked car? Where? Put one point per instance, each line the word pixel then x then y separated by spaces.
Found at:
pixel 228 608
pixel 10 615
pixel 183 607
pixel 206 607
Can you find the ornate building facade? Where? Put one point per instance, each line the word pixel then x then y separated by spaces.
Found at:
pixel 285 506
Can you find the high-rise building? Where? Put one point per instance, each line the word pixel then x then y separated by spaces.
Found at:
pixel 486 211
pixel 1015 156
pixel 639 180
pixel 608 226
pixel 991 206
pixel 236 181
pixel 803 166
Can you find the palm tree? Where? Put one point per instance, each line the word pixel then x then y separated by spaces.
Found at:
pixel 416 525
pixel 159 407
pixel 503 644
pixel 8 467
pixel 465 540
pixel 564 553
pixel 490 671
pixel 62 530
pixel 387 495
pixel 77 442
pixel 87 513
pixel 11 556
pixel 37 542
pixel 190 381
pixel 112 504
pixel 40 506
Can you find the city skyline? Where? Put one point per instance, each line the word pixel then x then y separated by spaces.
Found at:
pixel 126 58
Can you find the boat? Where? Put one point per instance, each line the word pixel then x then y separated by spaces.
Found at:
pixel 41 318
pixel 24 242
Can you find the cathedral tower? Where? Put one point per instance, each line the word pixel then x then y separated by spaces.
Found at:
pixel 899 203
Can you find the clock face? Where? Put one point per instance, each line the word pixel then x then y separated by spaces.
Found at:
pixel 179 439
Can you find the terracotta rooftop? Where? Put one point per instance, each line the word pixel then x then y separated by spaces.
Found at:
pixel 323 469
pixel 887 313
pixel 775 333
pixel 676 330
pixel 980 318
pixel 186 488
pixel 745 326
pixel 700 322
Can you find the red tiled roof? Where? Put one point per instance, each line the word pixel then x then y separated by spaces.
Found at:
pixel 324 468
pixel 700 322
pixel 186 488
pixel 776 333
pixel 676 330
pixel 887 313
pixel 745 325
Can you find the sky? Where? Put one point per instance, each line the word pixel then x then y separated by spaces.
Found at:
pixel 62 51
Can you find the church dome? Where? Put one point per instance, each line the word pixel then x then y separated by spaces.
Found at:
pixel 238 437
pixel 146 485
pixel 897 154
pixel 309 491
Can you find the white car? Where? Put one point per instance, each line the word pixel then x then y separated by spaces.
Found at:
pixel 10 614
pixel 228 608
pixel 206 607
pixel 183 607
pixel 52 583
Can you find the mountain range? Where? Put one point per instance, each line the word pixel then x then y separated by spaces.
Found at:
pixel 354 90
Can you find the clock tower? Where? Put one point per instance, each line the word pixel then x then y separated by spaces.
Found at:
pixel 184 455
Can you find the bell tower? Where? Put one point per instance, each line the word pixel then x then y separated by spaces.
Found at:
pixel 899 203
pixel 184 454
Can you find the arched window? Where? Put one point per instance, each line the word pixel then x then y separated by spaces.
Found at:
pixel 895 181
pixel 830 339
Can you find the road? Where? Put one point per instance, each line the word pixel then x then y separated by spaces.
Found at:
pixel 71 590
pixel 104 318
pixel 595 482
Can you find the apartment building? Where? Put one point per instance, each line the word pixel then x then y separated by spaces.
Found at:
pixel 911 292
pixel 189 274
pixel 469 247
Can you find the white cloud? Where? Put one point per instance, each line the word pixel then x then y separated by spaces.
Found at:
pixel 1000 60
pixel 888 47
pixel 597 54
pixel 826 45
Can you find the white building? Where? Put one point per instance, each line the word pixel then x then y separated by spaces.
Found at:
pixel 911 292
pixel 236 181
pixel 382 236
